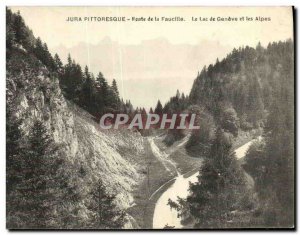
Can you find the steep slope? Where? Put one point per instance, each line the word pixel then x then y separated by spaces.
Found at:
pixel 34 94
pixel 246 81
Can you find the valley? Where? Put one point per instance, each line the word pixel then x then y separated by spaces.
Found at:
pixel 65 171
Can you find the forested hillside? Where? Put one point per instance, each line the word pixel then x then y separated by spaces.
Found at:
pixel 239 90
pixel 251 88
pixel 93 93
pixel 247 79
pixel 62 172
pixel 271 162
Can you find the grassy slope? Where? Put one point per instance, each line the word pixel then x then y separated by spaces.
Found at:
pixel 152 180
pixel 159 180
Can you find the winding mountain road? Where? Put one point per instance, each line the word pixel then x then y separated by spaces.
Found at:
pixel 163 214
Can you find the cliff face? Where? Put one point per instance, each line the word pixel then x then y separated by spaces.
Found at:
pixel 112 156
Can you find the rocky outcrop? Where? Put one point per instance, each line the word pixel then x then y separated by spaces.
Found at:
pixel 112 156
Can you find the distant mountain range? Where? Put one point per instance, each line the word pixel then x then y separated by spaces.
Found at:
pixel 154 68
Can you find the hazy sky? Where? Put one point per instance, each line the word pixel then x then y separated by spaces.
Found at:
pixel 179 42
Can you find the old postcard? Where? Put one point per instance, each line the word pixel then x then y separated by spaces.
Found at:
pixel 150 118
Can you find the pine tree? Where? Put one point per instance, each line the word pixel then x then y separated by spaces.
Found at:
pixel 37 186
pixel 115 88
pixel 10 31
pixel 14 149
pixel 177 94
pixel 58 63
pixel 114 96
pixel 105 213
pixel 129 107
pixel 38 49
pixel 71 80
pixel 221 188
pixel 102 83
pixel 103 100
pixel 69 60
pixel 88 92
pixel 19 29
pixel 158 109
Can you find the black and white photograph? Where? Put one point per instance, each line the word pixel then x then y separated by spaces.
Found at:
pixel 150 117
